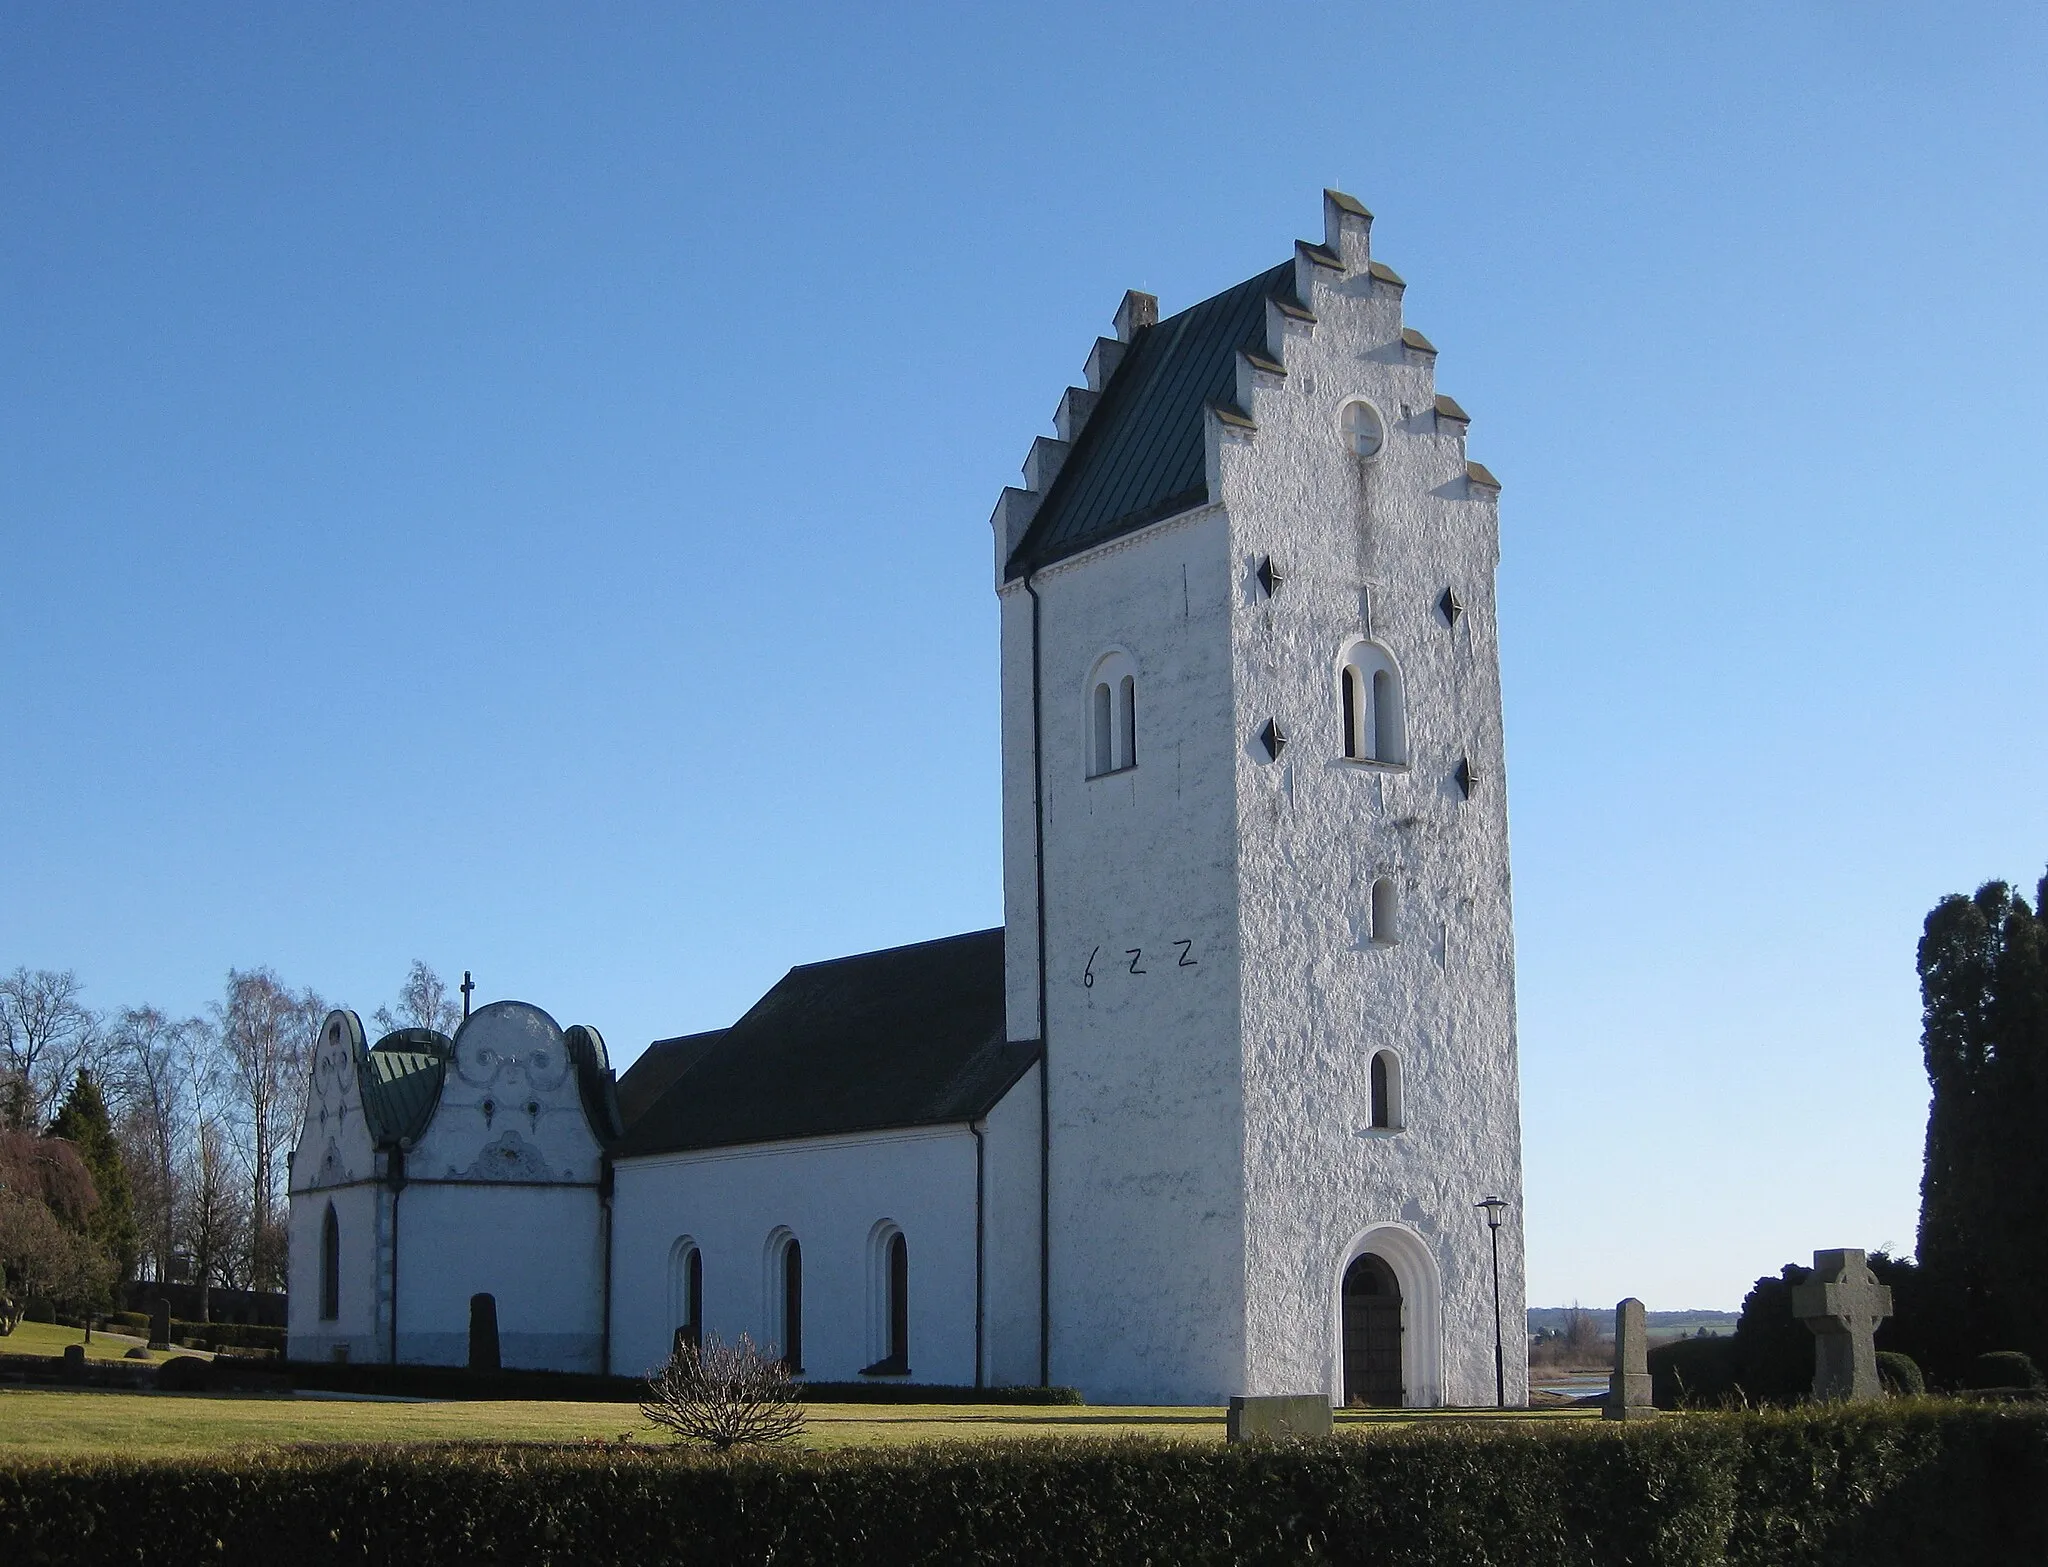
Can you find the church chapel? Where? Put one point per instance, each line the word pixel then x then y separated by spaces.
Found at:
pixel 1213 1110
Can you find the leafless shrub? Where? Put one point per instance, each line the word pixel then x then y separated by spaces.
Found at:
pixel 727 1395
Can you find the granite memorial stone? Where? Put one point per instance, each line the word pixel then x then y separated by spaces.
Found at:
pixel 1628 1390
pixel 1843 1304
pixel 1287 1417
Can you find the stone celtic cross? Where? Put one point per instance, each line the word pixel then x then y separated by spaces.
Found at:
pixel 1843 1304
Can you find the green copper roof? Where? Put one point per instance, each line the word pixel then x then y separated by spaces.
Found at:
pixel 402 1083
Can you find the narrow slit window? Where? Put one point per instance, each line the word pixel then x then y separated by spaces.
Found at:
pixel 1386 744
pixel 1127 721
pixel 330 1266
pixel 689 1299
pixel 899 1301
pixel 1351 747
pixel 1382 1108
pixel 793 1306
pixel 1384 931
pixel 1102 760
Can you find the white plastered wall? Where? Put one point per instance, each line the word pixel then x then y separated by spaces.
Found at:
pixel 1213 1166
pixel 335 1162
pixel 1146 1199
pixel 830 1193
pixel 501 1198
pixel 1368 548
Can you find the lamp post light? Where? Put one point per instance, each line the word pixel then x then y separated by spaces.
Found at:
pixel 1494 1207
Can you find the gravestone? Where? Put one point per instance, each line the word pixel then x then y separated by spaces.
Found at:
pixel 483 1333
pixel 1628 1390
pixel 1286 1417
pixel 74 1362
pixel 1843 1304
pixel 160 1325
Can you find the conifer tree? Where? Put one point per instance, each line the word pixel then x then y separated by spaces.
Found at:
pixel 1984 1190
pixel 83 1121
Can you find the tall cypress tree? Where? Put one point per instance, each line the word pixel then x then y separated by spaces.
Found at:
pixel 1984 1192
pixel 83 1121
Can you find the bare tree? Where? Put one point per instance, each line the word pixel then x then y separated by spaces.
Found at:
pixel 266 1035
pixel 214 1211
pixel 46 1034
pixel 155 1068
pixel 423 1002
pixel 728 1395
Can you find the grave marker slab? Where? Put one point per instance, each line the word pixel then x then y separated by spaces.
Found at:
pixel 1286 1417
pixel 1628 1390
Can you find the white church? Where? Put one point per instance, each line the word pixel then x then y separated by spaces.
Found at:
pixel 1216 1108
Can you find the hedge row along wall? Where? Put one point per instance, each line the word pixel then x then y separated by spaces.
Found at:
pixel 1918 1484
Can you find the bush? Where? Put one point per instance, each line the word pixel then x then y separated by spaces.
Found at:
pixel 1878 1487
pixel 1900 1374
pixel 2003 1368
pixel 184 1374
pixel 725 1395
pixel 1696 1373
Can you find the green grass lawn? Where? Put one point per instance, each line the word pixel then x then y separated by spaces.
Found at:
pixel 45 1422
pixel 42 1338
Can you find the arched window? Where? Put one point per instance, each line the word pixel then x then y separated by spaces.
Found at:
pixel 1375 726
pixel 888 1302
pixel 786 1281
pixel 899 1300
pixel 1386 1091
pixel 1385 930
pixel 686 1294
pixel 330 1266
pixel 1112 715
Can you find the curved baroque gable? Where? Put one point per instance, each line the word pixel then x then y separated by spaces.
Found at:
pixel 335 1146
pixel 512 1106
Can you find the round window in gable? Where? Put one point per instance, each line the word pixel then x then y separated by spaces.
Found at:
pixel 1364 431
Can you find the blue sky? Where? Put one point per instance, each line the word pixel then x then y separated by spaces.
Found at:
pixel 509 485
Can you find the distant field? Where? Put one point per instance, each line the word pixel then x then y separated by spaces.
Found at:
pixel 1662 1324
pixel 43 1422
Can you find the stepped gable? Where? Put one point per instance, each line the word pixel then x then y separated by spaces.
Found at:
pixel 910 1036
pixel 1139 456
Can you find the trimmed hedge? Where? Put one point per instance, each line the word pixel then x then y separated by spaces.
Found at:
pixel 2003 1368
pixel 1883 1487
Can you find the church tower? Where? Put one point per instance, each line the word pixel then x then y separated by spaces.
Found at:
pixel 1256 854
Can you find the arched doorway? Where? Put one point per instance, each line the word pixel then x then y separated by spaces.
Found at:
pixel 1372 1334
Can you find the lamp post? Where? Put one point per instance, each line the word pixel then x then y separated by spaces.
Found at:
pixel 1494 1207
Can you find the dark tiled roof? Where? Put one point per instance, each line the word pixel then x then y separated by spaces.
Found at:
pixel 660 1064
pixel 1140 455
pixel 908 1037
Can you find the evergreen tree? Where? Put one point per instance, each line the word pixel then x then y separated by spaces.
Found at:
pixel 1984 1190
pixel 83 1121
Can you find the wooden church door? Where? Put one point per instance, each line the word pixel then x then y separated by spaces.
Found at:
pixel 1372 1334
